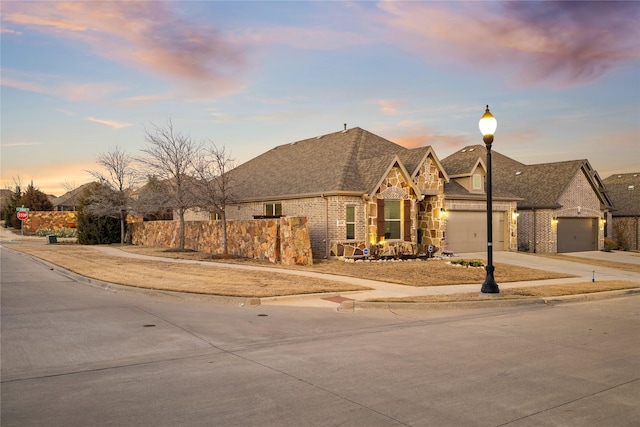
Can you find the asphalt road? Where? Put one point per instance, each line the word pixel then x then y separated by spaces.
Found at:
pixel 77 355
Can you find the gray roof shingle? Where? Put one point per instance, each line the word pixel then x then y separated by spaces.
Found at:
pixel 624 192
pixel 352 160
pixel 538 186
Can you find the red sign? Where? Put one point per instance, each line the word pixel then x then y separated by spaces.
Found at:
pixel 22 215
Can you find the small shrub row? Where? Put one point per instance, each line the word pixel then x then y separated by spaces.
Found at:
pixel 59 232
pixel 468 263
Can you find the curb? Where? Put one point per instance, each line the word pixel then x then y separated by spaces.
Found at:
pixel 353 306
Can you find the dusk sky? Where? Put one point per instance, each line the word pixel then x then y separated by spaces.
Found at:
pixel 80 78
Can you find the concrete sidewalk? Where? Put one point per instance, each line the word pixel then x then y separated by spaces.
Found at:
pixel 381 289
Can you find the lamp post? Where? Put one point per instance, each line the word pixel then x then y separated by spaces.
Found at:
pixel 488 125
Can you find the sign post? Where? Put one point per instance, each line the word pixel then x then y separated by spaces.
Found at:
pixel 23 214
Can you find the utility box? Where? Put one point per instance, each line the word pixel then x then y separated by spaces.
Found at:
pixel 51 238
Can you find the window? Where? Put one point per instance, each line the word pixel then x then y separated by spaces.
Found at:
pixel 392 219
pixel 215 216
pixel 273 209
pixel 351 222
pixel 477 181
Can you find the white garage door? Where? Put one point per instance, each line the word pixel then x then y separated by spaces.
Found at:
pixel 467 231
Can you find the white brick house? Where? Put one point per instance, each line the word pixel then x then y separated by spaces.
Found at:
pixel 359 192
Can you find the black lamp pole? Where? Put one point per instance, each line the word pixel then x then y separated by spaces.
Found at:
pixel 488 126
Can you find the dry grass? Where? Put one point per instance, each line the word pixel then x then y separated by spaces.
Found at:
pixel 596 262
pixel 543 291
pixel 220 280
pixel 89 262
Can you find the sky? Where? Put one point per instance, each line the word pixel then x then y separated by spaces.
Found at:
pixel 79 79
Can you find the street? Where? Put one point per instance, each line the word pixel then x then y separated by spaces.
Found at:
pixel 76 354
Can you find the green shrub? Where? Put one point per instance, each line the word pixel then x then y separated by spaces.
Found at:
pixel 468 263
pixel 60 232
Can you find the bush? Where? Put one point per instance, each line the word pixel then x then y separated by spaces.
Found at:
pixel 60 232
pixel 468 263
pixel 610 245
pixel 96 230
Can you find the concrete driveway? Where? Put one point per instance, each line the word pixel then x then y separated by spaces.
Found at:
pixel 77 355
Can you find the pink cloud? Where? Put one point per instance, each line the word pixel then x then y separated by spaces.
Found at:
pixel 149 35
pixel 72 91
pixel 558 43
pixel 20 18
pixel 111 123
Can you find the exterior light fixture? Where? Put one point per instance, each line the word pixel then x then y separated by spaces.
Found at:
pixel 488 125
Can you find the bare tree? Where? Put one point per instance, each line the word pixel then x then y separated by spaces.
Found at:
pixel 214 183
pixel 113 196
pixel 170 157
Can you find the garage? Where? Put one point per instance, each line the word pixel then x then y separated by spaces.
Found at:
pixel 577 234
pixel 467 231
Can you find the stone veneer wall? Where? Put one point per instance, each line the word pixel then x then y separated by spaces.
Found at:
pixel 316 210
pixel 49 220
pixel 279 240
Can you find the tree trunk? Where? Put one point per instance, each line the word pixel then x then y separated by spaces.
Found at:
pixel 225 247
pixel 182 230
pixel 123 226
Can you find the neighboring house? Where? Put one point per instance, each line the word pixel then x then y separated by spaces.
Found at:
pixel 561 206
pixel 624 192
pixel 70 201
pixel 466 204
pixel 359 192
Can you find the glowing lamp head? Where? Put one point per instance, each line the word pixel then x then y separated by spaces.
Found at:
pixel 488 123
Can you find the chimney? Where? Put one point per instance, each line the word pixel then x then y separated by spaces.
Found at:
pixel 345 126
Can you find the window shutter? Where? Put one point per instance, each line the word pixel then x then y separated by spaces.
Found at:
pixel 407 220
pixel 380 219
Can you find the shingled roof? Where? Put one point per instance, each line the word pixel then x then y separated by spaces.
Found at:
pixel 624 192
pixel 350 161
pixel 538 186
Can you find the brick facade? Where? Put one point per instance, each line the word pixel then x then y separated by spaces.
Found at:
pixel 538 229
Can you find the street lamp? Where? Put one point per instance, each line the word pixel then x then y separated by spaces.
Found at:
pixel 488 125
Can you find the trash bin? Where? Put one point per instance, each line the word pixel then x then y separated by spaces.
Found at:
pixel 51 238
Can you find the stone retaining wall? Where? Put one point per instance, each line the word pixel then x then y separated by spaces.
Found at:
pixel 279 240
pixel 49 220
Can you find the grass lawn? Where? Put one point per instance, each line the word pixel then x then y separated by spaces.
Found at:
pixel 215 279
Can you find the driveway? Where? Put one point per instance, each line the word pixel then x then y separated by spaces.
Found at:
pixel 76 355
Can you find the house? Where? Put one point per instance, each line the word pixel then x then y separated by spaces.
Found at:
pixel 361 193
pixel 624 191
pixel 70 201
pixel 559 207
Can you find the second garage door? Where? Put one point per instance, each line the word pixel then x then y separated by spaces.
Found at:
pixel 577 234
pixel 467 231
